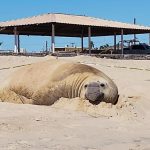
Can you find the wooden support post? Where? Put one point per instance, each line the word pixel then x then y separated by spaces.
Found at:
pixel 46 47
pixel 149 38
pixel 115 42
pixel 53 39
pixel 82 44
pixel 16 40
pixel 89 39
pixel 122 42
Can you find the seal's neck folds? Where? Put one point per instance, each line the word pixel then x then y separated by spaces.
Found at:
pixel 74 85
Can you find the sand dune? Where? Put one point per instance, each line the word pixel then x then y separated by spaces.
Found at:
pixel 75 124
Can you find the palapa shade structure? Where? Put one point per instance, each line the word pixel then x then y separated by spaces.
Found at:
pixel 68 26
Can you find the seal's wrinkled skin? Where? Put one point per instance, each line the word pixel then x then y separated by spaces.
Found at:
pixel 45 82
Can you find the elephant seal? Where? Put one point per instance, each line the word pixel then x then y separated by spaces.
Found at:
pixel 45 82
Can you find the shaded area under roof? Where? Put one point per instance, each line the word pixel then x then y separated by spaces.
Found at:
pixel 69 26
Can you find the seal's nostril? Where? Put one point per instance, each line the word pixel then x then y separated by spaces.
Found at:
pixel 102 85
pixel 86 86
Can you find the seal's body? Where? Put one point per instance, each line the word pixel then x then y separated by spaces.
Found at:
pixel 45 82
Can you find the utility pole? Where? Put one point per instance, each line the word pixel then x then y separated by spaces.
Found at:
pixel 134 34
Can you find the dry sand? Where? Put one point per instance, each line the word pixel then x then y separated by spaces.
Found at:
pixel 71 124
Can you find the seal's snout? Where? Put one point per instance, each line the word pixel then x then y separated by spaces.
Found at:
pixel 93 91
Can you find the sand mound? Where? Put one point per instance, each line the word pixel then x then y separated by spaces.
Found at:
pixel 125 108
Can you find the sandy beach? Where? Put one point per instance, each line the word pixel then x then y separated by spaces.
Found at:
pixel 70 124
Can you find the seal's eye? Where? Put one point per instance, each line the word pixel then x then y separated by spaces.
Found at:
pixel 86 85
pixel 102 85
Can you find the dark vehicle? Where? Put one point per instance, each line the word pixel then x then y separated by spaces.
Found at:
pixel 140 48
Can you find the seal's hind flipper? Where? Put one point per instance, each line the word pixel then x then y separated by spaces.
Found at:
pixel 12 97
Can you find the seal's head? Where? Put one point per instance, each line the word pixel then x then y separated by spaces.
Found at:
pixel 97 89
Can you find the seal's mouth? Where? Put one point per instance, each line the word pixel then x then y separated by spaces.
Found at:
pixel 94 98
pixel 95 102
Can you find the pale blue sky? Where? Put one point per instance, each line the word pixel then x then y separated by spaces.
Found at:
pixel 120 10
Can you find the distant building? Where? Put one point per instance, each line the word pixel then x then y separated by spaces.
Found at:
pixel 68 49
pixel 23 50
